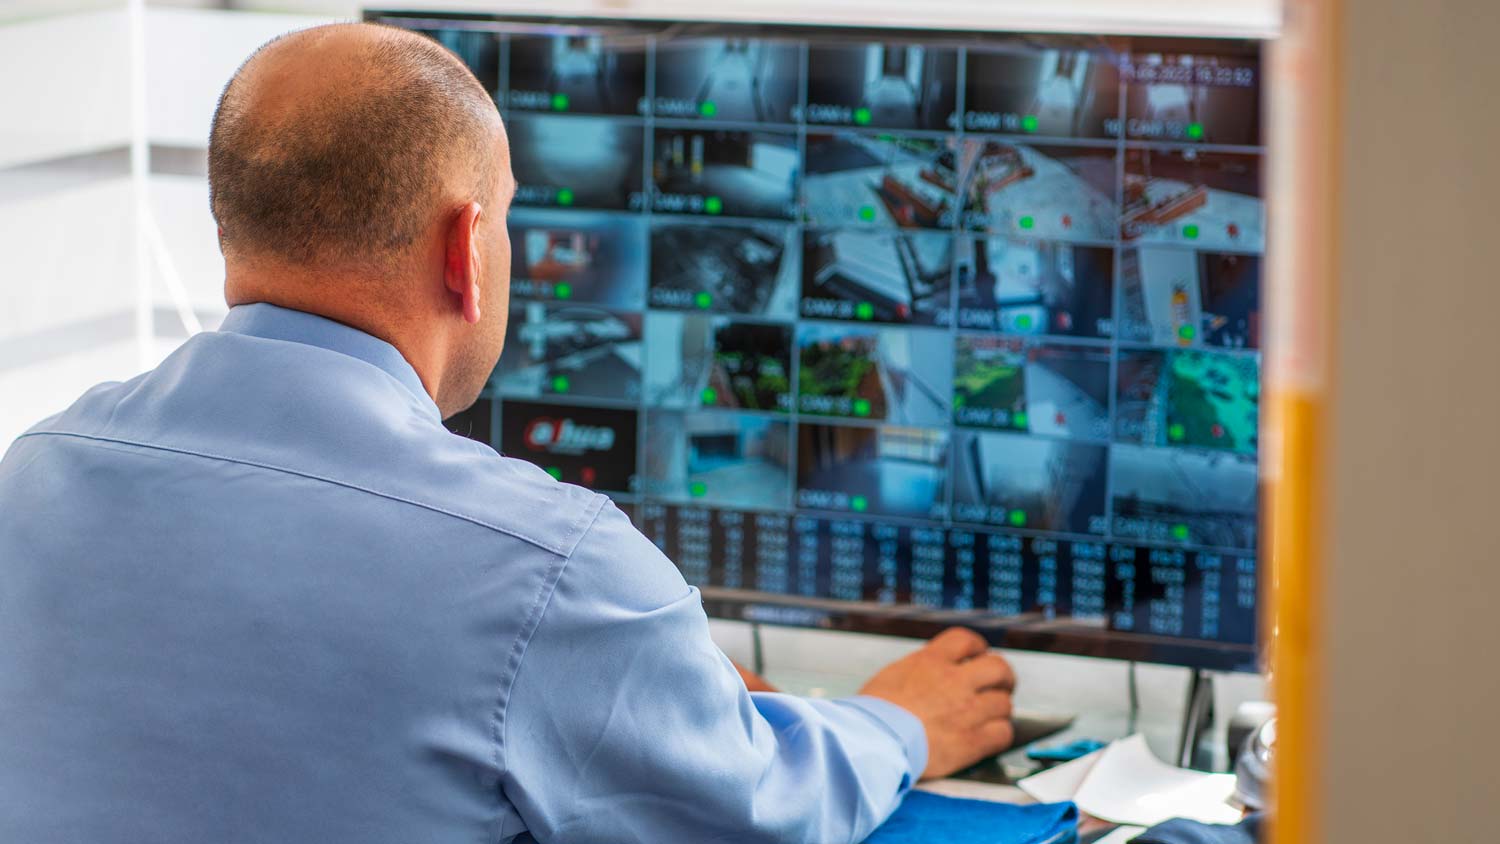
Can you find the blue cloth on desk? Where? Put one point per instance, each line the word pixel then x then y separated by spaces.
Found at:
pixel 924 817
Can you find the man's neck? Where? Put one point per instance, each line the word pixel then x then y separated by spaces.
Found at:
pixel 349 303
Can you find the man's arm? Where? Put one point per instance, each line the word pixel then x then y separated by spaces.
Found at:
pixel 625 721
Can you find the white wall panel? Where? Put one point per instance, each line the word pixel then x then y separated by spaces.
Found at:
pixel 66 86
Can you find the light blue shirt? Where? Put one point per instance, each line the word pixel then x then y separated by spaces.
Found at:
pixel 261 594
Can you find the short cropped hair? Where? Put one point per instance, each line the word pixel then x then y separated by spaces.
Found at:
pixel 352 180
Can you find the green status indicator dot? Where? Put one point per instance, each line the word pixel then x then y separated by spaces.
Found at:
pixel 859 504
pixel 861 407
pixel 1195 131
pixel 1176 432
pixel 862 116
pixel 559 102
pixel 864 310
pixel 867 213
pixel 1017 518
pixel 565 196
pixel 704 300
pixel 1187 332
pixel 561 384
pixel 708 108
pixel 1180 532
pixel 697 489
pixel 555 472
pixel 1020 419
pixel 960 400
pixel 1190 231
pixel 563 291
pixel 709 395
pixel 1029 123
pixel 1024 322
pixel 713 205
pixel 1027 222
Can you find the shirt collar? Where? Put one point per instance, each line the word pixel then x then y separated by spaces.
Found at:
pixel 271 322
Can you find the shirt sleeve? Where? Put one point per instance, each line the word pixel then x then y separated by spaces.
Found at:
pixel 626 723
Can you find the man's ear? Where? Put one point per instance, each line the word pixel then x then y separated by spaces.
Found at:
pixel 461 265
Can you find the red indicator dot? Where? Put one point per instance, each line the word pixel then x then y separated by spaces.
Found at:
pixel 1234 229
pixel 588 475
pixel 1218 431
pixel 1062 418
pixel 1067 221
pixel 903 311
pixel 1065 320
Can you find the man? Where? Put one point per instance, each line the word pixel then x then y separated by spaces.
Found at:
pixel 260 594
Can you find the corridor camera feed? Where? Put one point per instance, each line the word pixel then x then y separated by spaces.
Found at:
pixel 1054 390
pixel 1191 399
pixel 590 258
pixel 1183 97
pixel 1029 482
pixel 578 71
pixel 1051 192
pixel 724 172
pixel 576 162
pixel 718 459
pixel 883 470
pixel 1016 286
pixel 897 375
pixel 479 50
pixel 1179 297
pixel 881 180
pixel 698 360
pixel 889 330
pixel 748 268
pixel 1183 497
pixel 582 351
pixel 878 276
pixel 1061 93
pixel 1195 198
pixel 743 80
pixel 885 85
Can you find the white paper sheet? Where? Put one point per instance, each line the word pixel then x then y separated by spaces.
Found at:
pixel 1061 782
pixel 1129 785
pixel 1122 835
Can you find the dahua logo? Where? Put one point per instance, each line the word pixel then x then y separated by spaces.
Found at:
pixel 564 436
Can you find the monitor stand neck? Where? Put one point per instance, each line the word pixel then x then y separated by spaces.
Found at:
pixel 1197 717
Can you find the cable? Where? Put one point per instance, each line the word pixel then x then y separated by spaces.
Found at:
pixel 1134 692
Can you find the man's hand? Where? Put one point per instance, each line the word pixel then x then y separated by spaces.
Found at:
pixel 961 694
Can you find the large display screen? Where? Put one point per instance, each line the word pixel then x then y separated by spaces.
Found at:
pixel 891 330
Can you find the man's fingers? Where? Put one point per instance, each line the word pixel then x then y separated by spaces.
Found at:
pixel 993 705
pixel 994 736
pixel 989 671
pixel 957 644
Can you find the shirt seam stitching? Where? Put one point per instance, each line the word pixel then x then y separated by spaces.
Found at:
pixel 559 552
pixel 523 642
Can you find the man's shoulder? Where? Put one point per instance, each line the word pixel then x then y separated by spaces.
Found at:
pixel 347 426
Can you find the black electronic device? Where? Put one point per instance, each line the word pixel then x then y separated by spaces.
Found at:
pixel 889 330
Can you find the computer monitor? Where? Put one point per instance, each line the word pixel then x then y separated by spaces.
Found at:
pixel 889 330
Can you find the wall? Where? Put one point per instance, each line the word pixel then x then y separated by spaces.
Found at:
pixel 1411 678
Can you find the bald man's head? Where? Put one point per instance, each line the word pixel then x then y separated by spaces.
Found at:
pixel 337 148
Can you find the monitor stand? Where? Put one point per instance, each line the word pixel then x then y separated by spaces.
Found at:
pixel 1197 719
